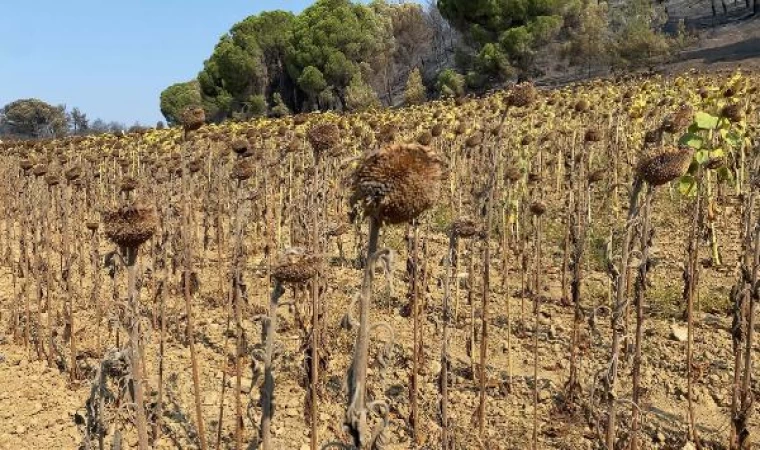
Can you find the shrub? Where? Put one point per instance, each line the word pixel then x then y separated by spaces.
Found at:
pixel 279 108
pixel 256 106
pixel 360 96
pixel 450 83
pixel 415 92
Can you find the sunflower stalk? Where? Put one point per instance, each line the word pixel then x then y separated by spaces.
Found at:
pixel 188 294
pixel 646 235
pixel 621 303
pixel 357 412
pixel 267 388
pixel 745 296
pixel 690 293
pixel 446 441
pixel 578 228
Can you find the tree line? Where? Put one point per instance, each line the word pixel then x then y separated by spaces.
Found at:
pixel 336 54
pixel 346 55
pixel 31 118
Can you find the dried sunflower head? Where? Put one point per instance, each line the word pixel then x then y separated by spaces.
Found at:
pixel 296 266
pixel 243 169
pixel 324 138
pixel 397 183
pixel 193 118
pixel 664 164
pixel 523 94
pixel 732 112
pixel 130 225
pixel 464 228
pixel 538 208
pixel 679 120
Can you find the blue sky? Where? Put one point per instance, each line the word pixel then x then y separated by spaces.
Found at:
pixel 112 59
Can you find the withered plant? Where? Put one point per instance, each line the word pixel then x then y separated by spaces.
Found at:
pixel 392 185
pixel 129 227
